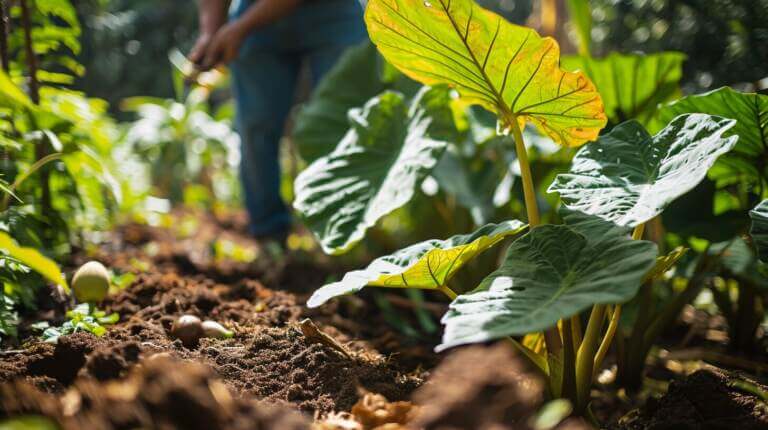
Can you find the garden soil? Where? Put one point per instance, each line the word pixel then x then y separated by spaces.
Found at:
pixel 271 374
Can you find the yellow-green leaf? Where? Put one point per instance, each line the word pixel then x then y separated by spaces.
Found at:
pixel 33 259
pixel 507 69
pixel 426 265
pixel 11 96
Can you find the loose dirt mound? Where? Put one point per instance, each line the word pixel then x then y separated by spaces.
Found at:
pixel 161 394
pixel 268 358
pixel 707 399
pixel 482 388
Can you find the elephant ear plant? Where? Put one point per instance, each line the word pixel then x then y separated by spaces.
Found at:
pixel 552 273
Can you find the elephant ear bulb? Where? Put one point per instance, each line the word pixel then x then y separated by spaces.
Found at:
pixel 91 282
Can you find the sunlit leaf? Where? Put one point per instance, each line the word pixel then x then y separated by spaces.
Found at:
pixel 34 259
pixel 374 170
pixel 632 85
pixel 553 272
pixel 629 176
pixel 322 121
pixel 759 230
pixel 427 265
pixel 751 112
pixel 507 69
pixel 11 96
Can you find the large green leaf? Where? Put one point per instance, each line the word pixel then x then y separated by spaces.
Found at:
pixel 375 169
pixel 751 112
pixel 427 265
pixel 33 259
pixel 737 257
pixel 759 230
pixel 629 177
pixel 749 109
pixel 553 272
pixel 632 85
pixel 322 121
pixel 581 18
pixel 507 69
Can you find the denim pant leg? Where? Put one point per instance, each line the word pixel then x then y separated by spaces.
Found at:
pixel 264 84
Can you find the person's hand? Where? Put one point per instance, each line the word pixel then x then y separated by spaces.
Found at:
pixel 223 47
pixel 197 54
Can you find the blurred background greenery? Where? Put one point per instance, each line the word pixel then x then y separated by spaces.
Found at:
pixel 126 42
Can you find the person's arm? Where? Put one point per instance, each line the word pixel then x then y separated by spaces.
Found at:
pixel 212 15
pixel 225 45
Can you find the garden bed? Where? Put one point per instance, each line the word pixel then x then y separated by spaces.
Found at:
pixel 271 372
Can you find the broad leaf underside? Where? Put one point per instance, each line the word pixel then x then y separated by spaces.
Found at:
pixel 374 170
pixel 507 69
pixel 629 177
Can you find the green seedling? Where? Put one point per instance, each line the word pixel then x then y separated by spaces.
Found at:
pixel 84 317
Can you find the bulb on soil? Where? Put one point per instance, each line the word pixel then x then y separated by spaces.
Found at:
pixel 188 329
pixel 215 330
pixel 91 282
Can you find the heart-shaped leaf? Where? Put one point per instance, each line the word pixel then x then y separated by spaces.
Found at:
pixel 507 69
pixel 632 85
pixel 553 272
pixel 629 177
pixel 427 265
pixel 751 111
pixel 374 170
pixel 759 230
pixel 357 77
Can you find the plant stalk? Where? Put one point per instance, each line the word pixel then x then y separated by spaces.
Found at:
pixel 585 356
pixel 605 345
pixel 551 336
pixel 529 192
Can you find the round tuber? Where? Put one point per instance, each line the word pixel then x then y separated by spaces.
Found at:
pixel 188 329
pixel 91 282
pixel 215 330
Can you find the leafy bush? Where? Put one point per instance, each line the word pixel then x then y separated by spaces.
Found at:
pixel 621 181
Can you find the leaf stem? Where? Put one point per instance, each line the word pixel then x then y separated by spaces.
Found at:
pixel 529 192
pixel 613 325
pixel 637 233
pixel 585 356
pixel 551 336
pixel 447 291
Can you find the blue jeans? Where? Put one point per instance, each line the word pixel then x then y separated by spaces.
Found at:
pixel 264 79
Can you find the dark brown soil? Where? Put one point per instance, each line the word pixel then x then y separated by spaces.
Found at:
pixel 484 388
pixel 162 393
pixel 707 399
pixel 268 359
pixel 271 374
